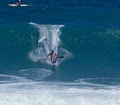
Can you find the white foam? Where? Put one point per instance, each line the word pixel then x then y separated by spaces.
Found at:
pixel 100 82
pixel 11 78
pixel 54 94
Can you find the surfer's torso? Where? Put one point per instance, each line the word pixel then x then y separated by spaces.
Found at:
pixel 53 57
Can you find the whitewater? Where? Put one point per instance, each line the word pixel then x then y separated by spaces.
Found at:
pixel 16 90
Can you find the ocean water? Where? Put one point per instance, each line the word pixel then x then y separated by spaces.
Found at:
pixel 85 32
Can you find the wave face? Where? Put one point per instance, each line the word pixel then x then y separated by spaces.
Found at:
pixel 89 29
pixel 48 39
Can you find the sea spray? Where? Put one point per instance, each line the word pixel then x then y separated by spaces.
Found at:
pixel 48 39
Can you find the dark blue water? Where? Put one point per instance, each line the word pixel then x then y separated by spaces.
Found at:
pixel 90 35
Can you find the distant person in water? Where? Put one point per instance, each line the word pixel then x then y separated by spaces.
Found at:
pixel 19 3
pixel 53 56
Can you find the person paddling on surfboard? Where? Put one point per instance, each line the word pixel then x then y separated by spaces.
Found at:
pixel 19 3
pixel 53 57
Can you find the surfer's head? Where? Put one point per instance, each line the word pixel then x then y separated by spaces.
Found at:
pixel 52 51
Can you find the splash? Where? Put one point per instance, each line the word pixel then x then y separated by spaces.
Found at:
pixel 49 39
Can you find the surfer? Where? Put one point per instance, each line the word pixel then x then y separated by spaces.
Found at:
pixel 53 57
pixel 19 3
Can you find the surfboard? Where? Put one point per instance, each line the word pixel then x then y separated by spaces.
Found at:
pixel 16 5
pixel 53 64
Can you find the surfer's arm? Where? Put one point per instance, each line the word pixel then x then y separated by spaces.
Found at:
pixel 48 54
pixel 56 55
